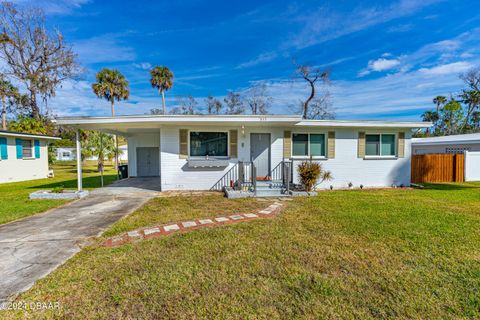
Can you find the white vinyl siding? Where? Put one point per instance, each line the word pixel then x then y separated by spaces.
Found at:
pixel 15 169
pixel 346 167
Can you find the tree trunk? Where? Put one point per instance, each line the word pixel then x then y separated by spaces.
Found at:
pixel 312 94
pixel 33 104
pixel 467 117
pixel 4 115
pixel 112 107
pixel 163 102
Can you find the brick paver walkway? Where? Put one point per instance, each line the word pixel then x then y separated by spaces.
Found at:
pixel 189 225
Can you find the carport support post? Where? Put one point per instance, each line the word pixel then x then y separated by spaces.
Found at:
pixel 79 161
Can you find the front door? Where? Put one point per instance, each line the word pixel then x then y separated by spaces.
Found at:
pixel 148 162
pixel 260 154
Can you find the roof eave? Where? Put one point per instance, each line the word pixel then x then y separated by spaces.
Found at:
pixel 28 135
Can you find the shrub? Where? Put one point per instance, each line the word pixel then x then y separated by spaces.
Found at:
pixel 58 189
pixel 310 172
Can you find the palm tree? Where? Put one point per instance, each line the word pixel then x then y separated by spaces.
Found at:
pixel 439 101
pixel 7 90
pixel 161 79
pixel 112 86
pixel 430 116
pixel 472 99
pixel 452 116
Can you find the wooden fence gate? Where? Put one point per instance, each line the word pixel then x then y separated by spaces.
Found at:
pixel 438 168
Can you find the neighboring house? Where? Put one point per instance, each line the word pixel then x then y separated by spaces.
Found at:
pixel 70 154
pixel 65 154
pixel 446 144
pixel 467 144
pixel 24 156
pixel 203 152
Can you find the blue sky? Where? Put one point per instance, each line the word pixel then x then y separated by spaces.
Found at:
pixel 388 59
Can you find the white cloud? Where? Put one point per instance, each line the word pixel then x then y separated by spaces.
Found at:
pixel 143 65
pixel 262 58
pixel 54 6
pixel 449 68
pixel 104 48
pixel 393 96
pixel 381 64
pixel 324 25
pixel 437 57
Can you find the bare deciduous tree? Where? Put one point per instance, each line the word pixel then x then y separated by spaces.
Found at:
pixel 311 75
pixel 36 57
pixel 186 106
pixel 257 99
pixel 8 92
pixel 321 108
pixel 234 103
pixel 471 96
pixel 214 106
pixel 156 111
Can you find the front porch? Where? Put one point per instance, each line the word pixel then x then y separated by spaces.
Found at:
pixel 243 181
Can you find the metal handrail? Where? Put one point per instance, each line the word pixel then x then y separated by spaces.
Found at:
pixel 254 178
pixel 224 181
pixel 238 173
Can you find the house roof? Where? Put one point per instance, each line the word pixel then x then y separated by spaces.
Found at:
pixel 26 135
pixel 126 124
pixel 455 139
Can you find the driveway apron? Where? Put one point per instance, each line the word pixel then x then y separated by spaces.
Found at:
pixel 33 247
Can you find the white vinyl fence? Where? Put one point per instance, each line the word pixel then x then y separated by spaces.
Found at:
pixel 472 166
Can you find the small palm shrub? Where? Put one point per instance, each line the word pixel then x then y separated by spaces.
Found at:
pixel 58 189
pixel 311 174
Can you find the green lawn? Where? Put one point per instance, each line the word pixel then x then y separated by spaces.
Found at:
pixel 344 254
pixel 14 202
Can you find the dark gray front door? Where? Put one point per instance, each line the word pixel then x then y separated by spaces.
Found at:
pixel 260 153
pixel 148 162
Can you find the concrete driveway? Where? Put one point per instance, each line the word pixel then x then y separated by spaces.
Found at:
pixel 33 247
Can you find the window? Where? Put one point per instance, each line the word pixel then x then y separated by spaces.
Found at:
pixel 213 144
pixel 65 154
pixel 306 145
pixel 27 149
pixel 380 145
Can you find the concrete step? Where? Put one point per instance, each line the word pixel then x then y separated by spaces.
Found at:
pixel 269 185
pixel 270 193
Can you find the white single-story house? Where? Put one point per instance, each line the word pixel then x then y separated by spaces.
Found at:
pixel 202 152
pixel 65 154
pixel 446 144
pixel 24 156
pixel 70 154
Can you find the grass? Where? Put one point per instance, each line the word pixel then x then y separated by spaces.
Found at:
pixel 14 201
pixel 344 254
pixel 172 209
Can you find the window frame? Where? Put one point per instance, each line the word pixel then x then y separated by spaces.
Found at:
pixel 212 157
pixel 380 156
pixel 325 141
pixel 32 148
